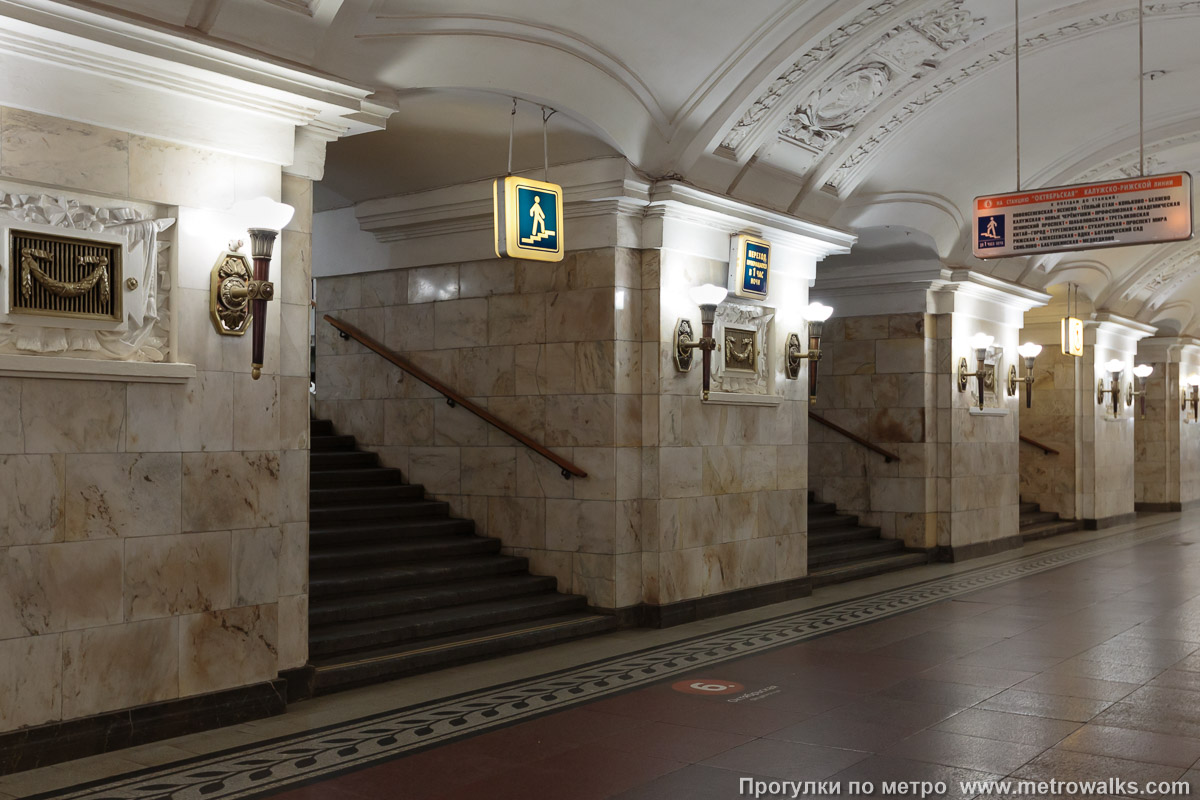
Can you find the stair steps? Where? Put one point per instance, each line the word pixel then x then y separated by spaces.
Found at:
pixel 398 586
pixel 1037 524
pixel 839 549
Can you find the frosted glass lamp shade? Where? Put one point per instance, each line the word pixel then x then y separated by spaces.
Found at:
pixel 1029 350
pixel 1115 365
pixel 1143 370
pixel 708 294
pixel 818 312
pixel 1194 380
pixel 982 341
pixel 263 212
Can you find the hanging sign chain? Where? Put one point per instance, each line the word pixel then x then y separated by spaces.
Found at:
pixel 546 141
pixel 1141 97
pixel 512 126
pixel 1017 61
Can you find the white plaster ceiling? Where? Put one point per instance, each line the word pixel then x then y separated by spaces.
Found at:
pixel 856 113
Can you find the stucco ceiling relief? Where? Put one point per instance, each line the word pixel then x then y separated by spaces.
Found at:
pixel 894 59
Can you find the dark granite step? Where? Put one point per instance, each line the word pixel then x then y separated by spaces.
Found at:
pixel 363 495
pixel 399 509
pixel 829 521
pixel 320 427
pixel 392 603
pixel 342 459
pixel 819 557
pixel 1046 529
pixel 343 672
pixel 841 535
pixel 419 574
pixel 394 631
pixel 355 476
pixel 424 548
pixel 840 573
pixel 341 533
pixel 1032 518
pixel 331 442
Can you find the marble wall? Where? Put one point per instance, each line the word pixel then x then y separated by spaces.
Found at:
pixel 1049 479
pixel 877 380
pixel 1167 440
pixel 153 536
pixel 683 499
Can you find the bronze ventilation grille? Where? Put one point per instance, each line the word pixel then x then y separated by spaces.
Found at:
pixel 64 276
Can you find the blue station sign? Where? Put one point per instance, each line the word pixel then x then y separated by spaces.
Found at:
pixel 528 219
pixel 749 266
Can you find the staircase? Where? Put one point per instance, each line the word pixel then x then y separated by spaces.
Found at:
pixel 398 586
pixel 840 550
pixel 1038 524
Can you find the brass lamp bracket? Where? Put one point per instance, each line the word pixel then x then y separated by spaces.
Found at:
pixel 795 355
pixel 232 287
pixel 964 374
pixel 1100 391
pixel 685 344
pixel 1129 394
pixel 1012 380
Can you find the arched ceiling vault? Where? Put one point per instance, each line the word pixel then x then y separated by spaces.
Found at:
pixel 861 114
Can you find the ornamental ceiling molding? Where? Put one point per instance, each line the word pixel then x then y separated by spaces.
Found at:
pixel 896 59
pixel 825 50
pixel 854 155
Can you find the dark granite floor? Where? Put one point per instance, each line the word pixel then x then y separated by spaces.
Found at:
pixel 1088 672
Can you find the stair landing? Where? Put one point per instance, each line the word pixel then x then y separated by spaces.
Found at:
pixel 840 549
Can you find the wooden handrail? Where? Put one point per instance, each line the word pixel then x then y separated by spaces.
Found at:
pixel 888 457
pixel 1050 451
pixel 348 331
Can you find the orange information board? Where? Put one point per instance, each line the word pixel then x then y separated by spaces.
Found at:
pixel 1156 208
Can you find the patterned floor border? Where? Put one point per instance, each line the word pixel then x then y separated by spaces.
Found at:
pixel 268 767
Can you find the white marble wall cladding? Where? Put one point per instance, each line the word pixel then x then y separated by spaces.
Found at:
pixel 206 640
pixel 574 355
pixel 142 523
pixel 123 494
pixel 30 681
pixel 1049 479
pixel 876 379
pixel 1167 442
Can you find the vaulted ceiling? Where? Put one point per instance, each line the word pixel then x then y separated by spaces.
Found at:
pixel 865 115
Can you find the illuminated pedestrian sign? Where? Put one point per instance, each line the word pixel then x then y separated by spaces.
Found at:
pixel 528 219
pixel 750 264
pixel 1072 337
pixel 1156 208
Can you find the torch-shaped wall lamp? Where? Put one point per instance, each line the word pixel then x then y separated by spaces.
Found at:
pixel 1192 397
pixel 708 297
pixel 239 296
pixel 980 343
pixel 1141 372
pixel 1115 367
pixel 816 314
pixel 1029 351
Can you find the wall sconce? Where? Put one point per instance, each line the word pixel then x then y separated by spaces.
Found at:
pixel 1192 397
pixel 816 314
pixel 238 296
pixel 1115 367
pixel 1029 351
pixel 708 297
pixel 980 342
pixel 1141 372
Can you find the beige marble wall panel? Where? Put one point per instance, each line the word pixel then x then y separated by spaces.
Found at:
pixel 295 254
pixel 30 681
pixel 293 631
pixel 600 464
pixel 294 413
pixel 120 666
pixel 490 471
pixel 519 522
pixel 62 153
pixel 176 174
pixel 32 490
pixel 580 526
pixel 460 323
pixel 486 278
pixel 73 416
pixel 437 469
pixel 293 339
pixel 170 418
pixel 223 649
pixel 122 494
pixel 292 503
pixel 227 491
pixel 593 575
pixel 298 193
pixel 580 315
pixel 432 284
pixel 386 288
pixel 293 558
pixel 580 420
pixel 12 433
pixel 174 575
pixel 256 567
pixel 58 587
